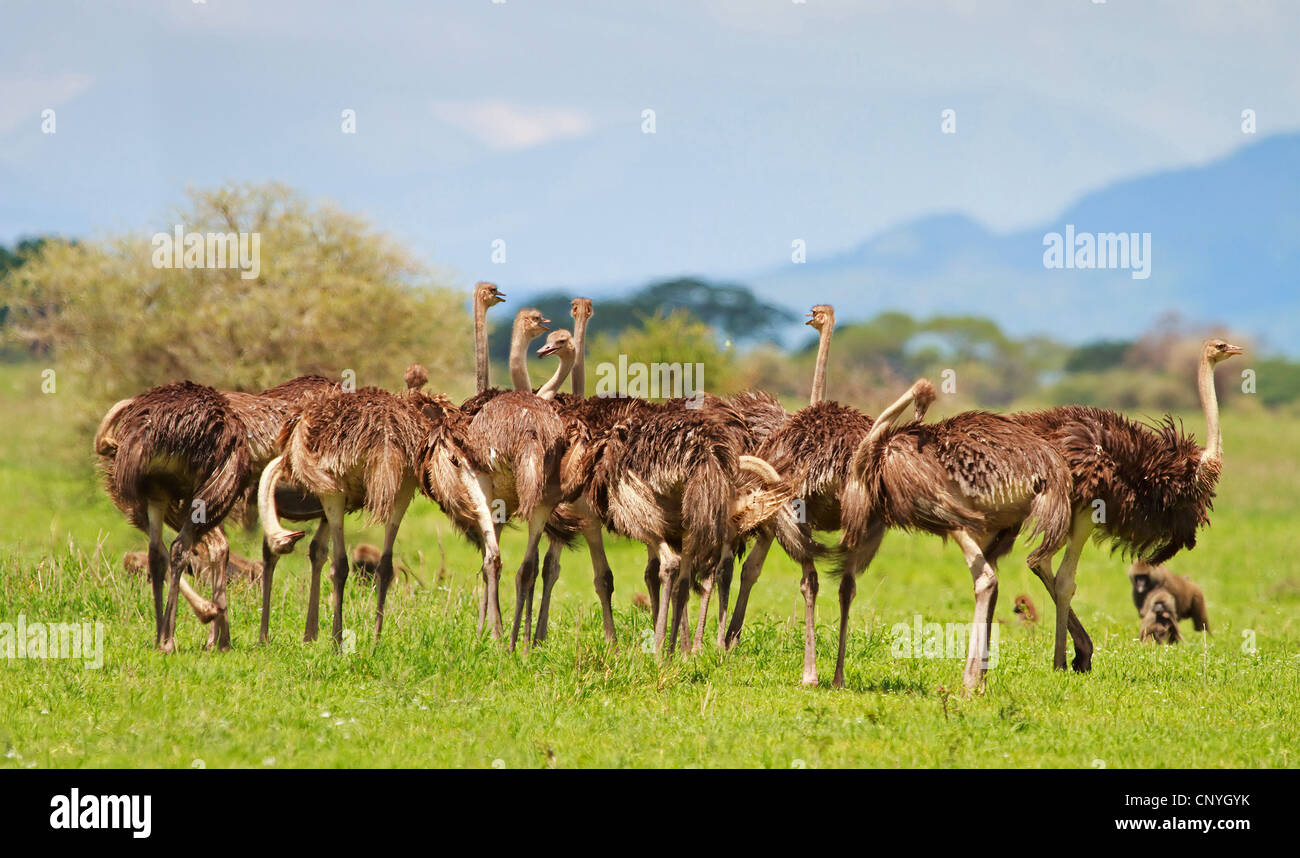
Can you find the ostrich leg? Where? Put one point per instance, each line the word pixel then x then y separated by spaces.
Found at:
pixel 157 567
pixel 219 557
pixel 317 553
pixel 269 559
pixel 604 576
pixel 180 558
pixel 749 572
pixel 1082 662
pixel 490 606
pixel 855 563
pixel 550 572
pixel 681 588
pixel 725 571
pixel 1079 532
pixel 384 574
pixel 667 566
pixel 986 597
pixel 706 591
pixel 526 578
pixel 808 586
pixel 652 583
pixel 333 505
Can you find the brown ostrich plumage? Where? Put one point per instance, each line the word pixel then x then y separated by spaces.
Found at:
pixel 176 455
pixel 976 471
pixel 363 445
pixel 177 443
pixel 1146 475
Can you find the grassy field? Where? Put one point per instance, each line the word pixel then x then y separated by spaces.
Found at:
pixel 433 694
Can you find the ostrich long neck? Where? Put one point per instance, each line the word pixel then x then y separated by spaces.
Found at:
pixel 480 344
pixel 548 390
pixel 519 358
pixel 580 348
pixel 1210 405
pixel 819 372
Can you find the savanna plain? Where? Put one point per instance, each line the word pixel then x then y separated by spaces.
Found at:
pixel 433 693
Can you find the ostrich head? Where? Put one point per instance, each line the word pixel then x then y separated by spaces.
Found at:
pixel 1216 350
pixel 820 316
pixel 558 343
pixel 580 308
pixel 532 322
pixel 923 397
pixel 416 377
pixel 488 294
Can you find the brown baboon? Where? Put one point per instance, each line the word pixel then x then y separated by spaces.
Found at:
pixel 1178 593
pixel 1159 623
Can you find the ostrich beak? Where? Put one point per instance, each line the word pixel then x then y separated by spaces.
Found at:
pixel 499 294
pixel 548 349
pixel 1233 350
pixel 810 320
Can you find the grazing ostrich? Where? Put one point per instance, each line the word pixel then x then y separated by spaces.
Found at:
pixel 813 449
pixel 972 477
pixel 358 450
pixel 264 415
pixel 521 438
pixel 175 455
pixel 1153 485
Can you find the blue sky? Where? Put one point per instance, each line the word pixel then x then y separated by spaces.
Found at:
pixel 522 121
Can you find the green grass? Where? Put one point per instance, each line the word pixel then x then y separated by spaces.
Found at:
pixel 433 694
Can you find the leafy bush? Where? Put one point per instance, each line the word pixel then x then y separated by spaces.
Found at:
pixel 331 295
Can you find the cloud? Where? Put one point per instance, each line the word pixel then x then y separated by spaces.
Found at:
pixel 23 98
pixel 502 125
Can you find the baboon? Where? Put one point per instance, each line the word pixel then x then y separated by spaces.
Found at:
pixel 1159 622
pixel 1178 593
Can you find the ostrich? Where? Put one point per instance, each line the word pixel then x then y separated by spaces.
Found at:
pixel 973 477
pixel 264 415
pixel 521 438
pixel 358 450
pixel 261 415
pixel 670 477
pixel 1155 484
pixel 813 450
pixel 175 455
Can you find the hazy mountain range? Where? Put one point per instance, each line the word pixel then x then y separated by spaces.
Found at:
pixel 1224 248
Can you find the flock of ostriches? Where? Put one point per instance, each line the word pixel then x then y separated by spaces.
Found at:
pixel 695 480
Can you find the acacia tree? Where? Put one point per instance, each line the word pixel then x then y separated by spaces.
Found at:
pixel 331 294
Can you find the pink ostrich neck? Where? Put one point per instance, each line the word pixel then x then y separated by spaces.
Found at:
pixel 1209 405
pixel 552 386
pixel 580 350
pixel 480 343
pixel 519 341
pixel 819 371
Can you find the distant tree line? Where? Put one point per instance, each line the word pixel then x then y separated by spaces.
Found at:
pixel 333 295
